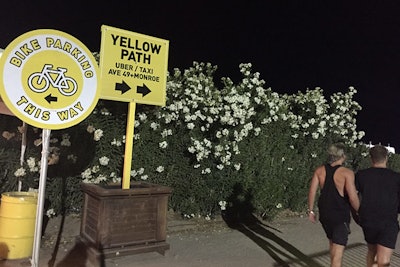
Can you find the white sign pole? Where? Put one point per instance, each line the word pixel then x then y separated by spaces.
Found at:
pixel 41 196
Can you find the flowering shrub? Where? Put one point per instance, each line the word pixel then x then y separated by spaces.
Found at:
pixel 207 140
pixel 206 143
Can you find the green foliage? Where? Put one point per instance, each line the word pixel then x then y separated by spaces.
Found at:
pixel 240 145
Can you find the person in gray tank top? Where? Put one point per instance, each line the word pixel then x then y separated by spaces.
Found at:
pixel 337 193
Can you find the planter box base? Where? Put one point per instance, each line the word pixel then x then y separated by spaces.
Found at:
pixel 159 247
pixel 118 222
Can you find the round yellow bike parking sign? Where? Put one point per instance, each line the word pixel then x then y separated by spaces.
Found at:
pixel 49 79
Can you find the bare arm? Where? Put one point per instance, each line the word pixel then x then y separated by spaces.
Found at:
pixel 312 193
pixel 352 191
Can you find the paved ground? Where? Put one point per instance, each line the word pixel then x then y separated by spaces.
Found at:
pixel 288 241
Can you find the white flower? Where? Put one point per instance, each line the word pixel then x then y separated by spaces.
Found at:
pixel 104 160
pixel 166 132
pixel 87 174
pixel 315 135
pixel 20 172
pixel 237 166
pixel 206 171
pixel 90 129
pixel 116 142
pixel 101 178
pixel 105 112
pixel 142 116
pixel 163 144
pixel 50 213
pixel 31 162
pixel 154 125
pixel 279 206
pixel 95 169
pixel 160 169
pixel 144 177
pixel 190 125
pixel 98 134
pixel 116 180
pixel 222 204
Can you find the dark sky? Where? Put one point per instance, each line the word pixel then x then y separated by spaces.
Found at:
pixel 295 45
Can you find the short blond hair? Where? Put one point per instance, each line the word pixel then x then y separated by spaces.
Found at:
pixel 336 152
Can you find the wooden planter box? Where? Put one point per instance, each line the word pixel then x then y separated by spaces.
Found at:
pixel 119 222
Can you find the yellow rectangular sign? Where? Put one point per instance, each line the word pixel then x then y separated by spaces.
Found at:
pixel 133 67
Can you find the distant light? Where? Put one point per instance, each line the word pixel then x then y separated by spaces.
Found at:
pixel 391 149
pixel 388 147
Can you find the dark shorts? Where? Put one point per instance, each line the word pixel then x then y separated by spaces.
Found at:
pixel 384 234
pixel 337 233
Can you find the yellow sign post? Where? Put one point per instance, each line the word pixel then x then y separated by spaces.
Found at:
pixel 133 68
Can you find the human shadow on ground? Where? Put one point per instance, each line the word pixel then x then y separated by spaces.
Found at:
pixel 239 215
pixel 82 255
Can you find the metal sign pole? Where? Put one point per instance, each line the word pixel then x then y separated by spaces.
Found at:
pixel 41 196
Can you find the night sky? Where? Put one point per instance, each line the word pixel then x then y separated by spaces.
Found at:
pixel 294 45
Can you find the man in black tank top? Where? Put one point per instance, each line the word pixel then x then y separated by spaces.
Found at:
pixel 337 193
pixel 379 189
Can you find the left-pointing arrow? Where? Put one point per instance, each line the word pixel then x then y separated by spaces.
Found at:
pixel 51 98
pixel 123 87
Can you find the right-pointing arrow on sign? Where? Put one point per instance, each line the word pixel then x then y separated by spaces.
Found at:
pixel 144 90
pixel 123 87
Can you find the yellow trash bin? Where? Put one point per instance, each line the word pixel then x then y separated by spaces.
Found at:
pixel 17 224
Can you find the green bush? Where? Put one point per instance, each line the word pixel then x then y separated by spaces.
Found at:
pixel 240 145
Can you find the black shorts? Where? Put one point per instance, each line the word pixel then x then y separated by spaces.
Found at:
pixel 338 233
pixel 384 234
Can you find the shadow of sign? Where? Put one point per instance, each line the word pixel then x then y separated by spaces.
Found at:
pixel 240 216
pixel 281 251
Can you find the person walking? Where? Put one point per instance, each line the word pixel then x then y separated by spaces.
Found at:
pixel 337 193
pixel 379 189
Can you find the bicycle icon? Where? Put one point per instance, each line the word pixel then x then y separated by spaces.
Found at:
pixel 39 82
